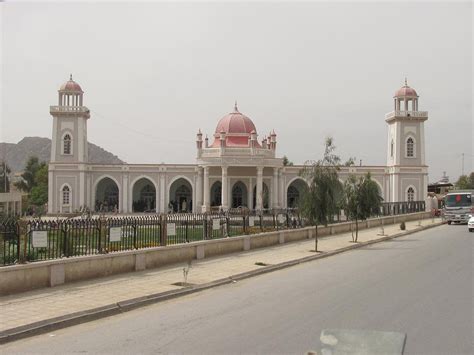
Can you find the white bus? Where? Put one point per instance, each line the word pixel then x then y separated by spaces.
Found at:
pixel 458 206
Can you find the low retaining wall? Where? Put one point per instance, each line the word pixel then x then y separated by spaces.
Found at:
pixel 24 277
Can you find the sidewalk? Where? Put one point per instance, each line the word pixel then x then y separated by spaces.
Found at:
pixel 40 305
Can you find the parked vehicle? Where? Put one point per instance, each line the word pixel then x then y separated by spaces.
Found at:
pixel 470 224
pixel 458 206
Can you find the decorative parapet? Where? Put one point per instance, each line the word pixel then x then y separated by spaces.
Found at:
pixel 414 114
pixel 236 152
pixel 69 109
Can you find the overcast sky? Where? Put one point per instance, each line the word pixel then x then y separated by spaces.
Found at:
pixel 154 73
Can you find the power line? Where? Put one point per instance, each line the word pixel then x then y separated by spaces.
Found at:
pixel 159 138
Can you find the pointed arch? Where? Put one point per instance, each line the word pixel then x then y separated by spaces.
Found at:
pixel 216 194
pixel 239 195
pixel 143 194
pixel 107 194
pixel 294 191
pixel 180 194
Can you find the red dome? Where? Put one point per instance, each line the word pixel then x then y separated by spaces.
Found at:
pixel 70 85
pixel 406 91
pixel 237 128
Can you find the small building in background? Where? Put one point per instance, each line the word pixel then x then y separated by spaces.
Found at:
pixel 10 203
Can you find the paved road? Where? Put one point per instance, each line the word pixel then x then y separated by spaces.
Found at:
pixel 421 285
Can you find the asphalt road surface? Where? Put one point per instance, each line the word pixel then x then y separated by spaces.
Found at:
pixel 421 285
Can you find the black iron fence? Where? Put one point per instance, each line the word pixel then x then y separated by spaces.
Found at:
pixel 27 241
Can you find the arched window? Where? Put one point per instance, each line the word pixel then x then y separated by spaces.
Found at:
pixel 410 147
pixel 66 192
pixel 67 144
pixel 410 194
pixel 391 149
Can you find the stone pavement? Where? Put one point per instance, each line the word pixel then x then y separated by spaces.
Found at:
pixel 38 305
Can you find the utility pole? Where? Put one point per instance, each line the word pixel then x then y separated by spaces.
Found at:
pixel 4 176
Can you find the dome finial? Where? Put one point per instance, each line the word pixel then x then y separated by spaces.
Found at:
pixel 235 107
pixel 406 81
pixel 70 77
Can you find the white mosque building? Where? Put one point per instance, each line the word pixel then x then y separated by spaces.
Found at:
pixel 234 169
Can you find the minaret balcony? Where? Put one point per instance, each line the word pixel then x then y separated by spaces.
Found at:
pixel 69 110
pixel 407 114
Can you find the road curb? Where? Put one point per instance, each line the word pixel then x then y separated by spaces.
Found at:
pixel 68 320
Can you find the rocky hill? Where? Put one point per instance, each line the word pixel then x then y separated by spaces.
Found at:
pixel 16 155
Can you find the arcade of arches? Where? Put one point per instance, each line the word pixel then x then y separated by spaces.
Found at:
pixel 235 165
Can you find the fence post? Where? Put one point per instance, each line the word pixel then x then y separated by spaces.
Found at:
pixel 186 230
pixel 18 241
pixel 164 232
pixel 101 233
pixel 135 227
pixel 65 239
pixel 204 228
pixel 23 231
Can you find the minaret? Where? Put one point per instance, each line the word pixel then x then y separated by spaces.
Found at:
pixel 199 143
pixel 406 145
pixel 67 188
pixel 273 140
pixel 69 140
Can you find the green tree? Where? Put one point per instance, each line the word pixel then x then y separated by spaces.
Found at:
pixel 28 180
pixel 321 200
pixel 361 199
pixel 465 182
pixel 39 192
pixel 4 177
pixel 286 161
pixel 35 181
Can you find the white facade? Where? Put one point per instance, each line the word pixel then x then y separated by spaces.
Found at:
pixel 234 170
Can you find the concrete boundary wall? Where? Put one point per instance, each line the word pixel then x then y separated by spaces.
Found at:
pixel 24 277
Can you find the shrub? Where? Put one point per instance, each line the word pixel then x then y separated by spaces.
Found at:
pixel 402 226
